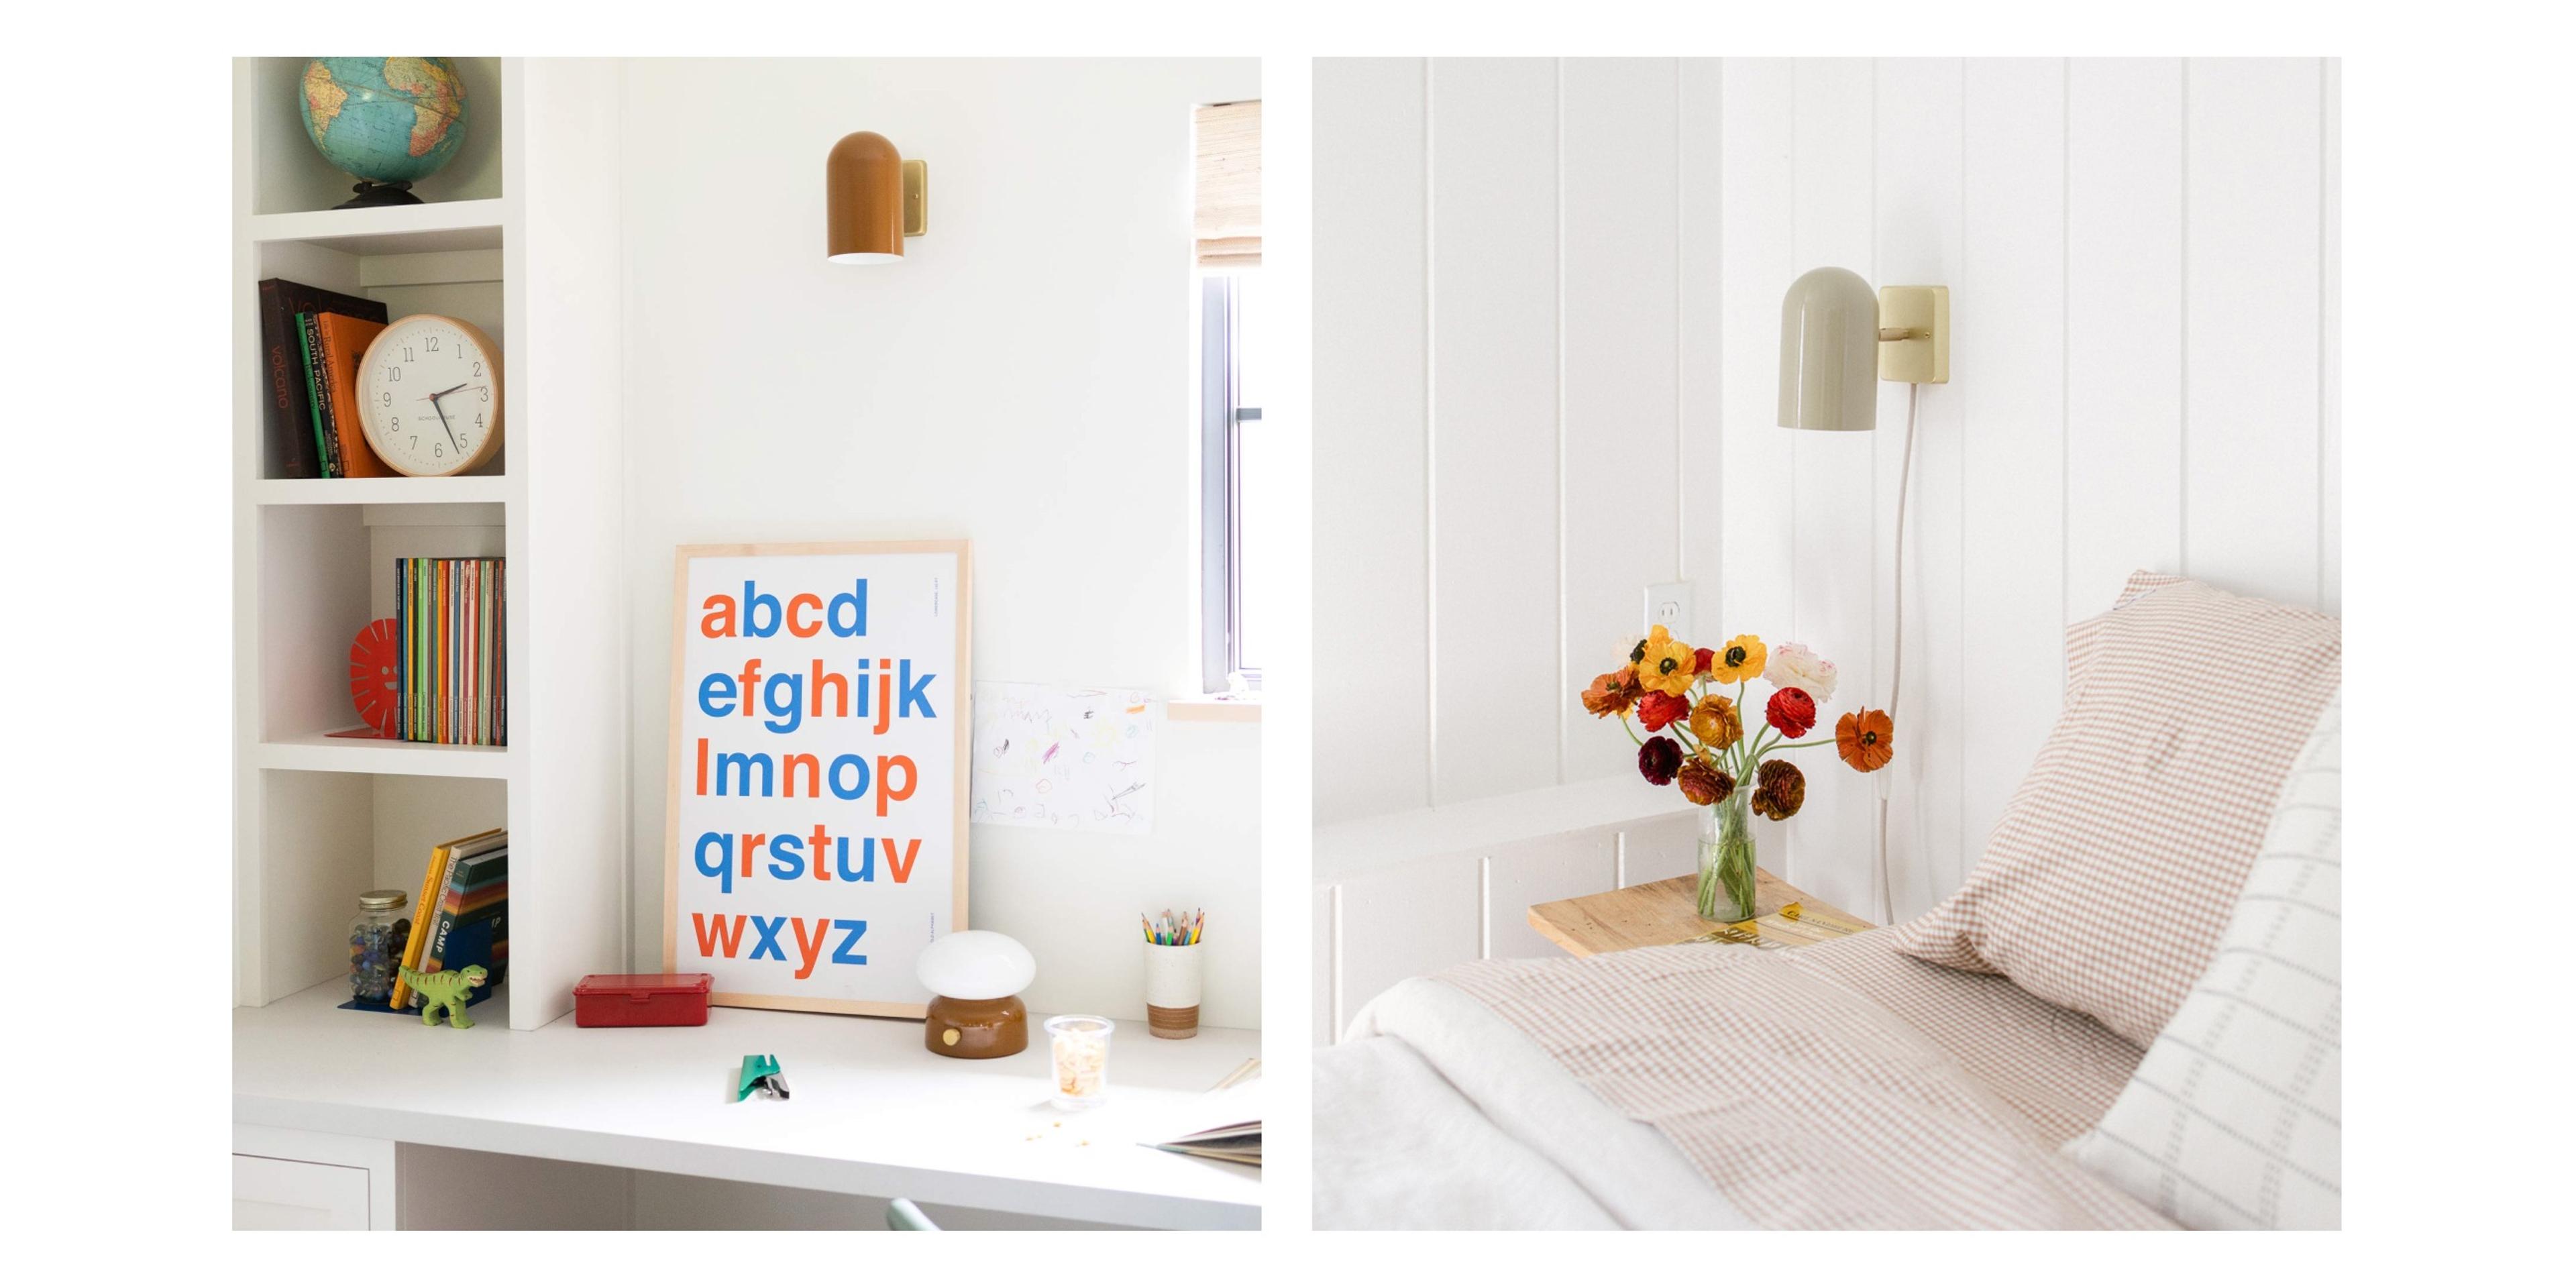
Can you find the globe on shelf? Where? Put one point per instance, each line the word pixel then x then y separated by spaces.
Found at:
pixel 389 121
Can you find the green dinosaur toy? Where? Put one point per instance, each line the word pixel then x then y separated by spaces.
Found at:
pixel 447 989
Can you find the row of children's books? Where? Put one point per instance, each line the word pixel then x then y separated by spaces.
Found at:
pixel 311 340
pixel 449 616
pixel 464 914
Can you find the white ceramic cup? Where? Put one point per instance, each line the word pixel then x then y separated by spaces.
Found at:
pixel 1172 990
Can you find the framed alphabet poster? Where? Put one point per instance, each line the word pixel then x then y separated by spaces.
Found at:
pixel 818 778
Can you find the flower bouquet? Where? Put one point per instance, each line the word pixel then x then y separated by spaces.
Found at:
pixel 1697 741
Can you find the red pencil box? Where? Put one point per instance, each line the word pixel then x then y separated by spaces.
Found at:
pixel 640 1001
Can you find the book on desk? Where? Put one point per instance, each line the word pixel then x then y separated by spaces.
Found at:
pixel 1233 1114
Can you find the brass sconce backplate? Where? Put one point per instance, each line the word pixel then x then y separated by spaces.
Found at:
pixel 916 200
pixel 1914 334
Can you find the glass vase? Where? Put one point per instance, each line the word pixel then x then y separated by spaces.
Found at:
pixel 1726 859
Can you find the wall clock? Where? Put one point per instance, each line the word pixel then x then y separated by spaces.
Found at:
pixel 429 394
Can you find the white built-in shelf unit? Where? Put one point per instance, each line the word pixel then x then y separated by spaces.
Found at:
pixel 517 235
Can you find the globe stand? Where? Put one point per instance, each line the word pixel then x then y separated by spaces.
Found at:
pixel 372 194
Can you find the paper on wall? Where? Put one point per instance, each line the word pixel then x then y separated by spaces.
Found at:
pixel 1077 759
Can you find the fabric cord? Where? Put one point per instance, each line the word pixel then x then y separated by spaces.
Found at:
pixel 1896 666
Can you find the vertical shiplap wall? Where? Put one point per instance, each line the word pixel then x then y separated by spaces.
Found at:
pixel 1496 425
pixel 1547 312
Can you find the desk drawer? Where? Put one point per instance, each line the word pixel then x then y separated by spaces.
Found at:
pixel 283 1194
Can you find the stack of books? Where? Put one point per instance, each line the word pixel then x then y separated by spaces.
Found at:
pixel 310 342
pixel 464 914
pixel 449 615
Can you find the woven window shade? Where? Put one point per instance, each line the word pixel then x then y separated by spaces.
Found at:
pixel 1228 225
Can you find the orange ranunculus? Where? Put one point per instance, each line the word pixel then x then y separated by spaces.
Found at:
pixel 1612 693
pixel 1665 664
pixel 1742 659
pixel 1704 783
pixel 1780 789
pixel 1657 710
pixel 1715 723
pixel 1866 740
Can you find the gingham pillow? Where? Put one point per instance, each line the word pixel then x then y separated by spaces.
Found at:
pixel 2234 1120
pixel 2106 884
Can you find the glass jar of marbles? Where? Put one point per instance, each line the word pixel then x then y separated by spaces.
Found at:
pixel 376 942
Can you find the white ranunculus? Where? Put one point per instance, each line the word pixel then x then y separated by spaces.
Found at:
pixel 1795 666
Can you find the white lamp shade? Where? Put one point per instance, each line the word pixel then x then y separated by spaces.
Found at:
pixel 976 965
pixel 1829 352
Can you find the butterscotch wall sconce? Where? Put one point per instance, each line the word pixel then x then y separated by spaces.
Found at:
pixel 873 200
pixel 1838 339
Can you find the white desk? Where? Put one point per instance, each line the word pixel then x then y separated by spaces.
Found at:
pixel 872 1112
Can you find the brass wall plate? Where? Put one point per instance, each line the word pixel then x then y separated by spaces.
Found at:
pixel 1922 313
pixel 916 198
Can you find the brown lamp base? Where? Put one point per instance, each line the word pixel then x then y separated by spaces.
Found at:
pixel 976 1030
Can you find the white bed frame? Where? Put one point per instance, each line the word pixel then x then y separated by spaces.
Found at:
pixel 1400 895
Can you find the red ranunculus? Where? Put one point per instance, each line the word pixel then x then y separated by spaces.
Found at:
pixel 1657 759
pixel 1700 661
pixel 1791 712
pixel 1660 709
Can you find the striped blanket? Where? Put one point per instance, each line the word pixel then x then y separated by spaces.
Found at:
pixel 1839 1086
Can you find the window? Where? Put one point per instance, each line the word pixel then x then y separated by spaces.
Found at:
pixel 1227 224
pixel 1233 623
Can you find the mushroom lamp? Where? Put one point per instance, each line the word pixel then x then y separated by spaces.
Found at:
pixel 977 1013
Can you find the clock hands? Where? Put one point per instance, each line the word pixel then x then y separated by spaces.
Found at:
pixel 442 418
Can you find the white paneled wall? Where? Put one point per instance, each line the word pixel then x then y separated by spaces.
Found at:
pixel 1547 310
pixel 773 396
pixel 1495 425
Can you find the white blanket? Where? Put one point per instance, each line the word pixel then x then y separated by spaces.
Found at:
pixel 1436 1114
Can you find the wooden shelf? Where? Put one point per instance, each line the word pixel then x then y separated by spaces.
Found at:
pixel 490 488
pixel 325 754
pixel 390 230
pixel 1215 708
pixel 1661 913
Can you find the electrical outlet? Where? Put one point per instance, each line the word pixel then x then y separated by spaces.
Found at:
pixel 1668 604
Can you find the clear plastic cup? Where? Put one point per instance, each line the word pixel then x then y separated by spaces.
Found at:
pixel 1080 1047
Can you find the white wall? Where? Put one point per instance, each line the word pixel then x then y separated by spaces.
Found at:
pixel 1023 380
pixel 1547 304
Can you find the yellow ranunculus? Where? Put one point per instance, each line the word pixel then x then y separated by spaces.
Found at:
pixel 1665 664
pixel 1742 659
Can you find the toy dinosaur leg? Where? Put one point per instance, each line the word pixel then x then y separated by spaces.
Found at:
pixel 429 1013
pixel 456 1017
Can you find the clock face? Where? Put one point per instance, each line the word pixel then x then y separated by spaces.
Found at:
pixel 429 391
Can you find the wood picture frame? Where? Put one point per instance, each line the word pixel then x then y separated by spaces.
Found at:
pixel 763 967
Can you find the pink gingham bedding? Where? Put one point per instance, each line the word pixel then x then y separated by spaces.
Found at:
pixel 2116 866
pixel 1842 1086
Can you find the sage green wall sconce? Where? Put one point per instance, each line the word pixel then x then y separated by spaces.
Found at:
pixel 1838 339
